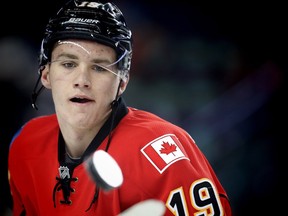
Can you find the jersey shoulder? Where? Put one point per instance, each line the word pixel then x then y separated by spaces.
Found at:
pixel 37 127
pixel 152 123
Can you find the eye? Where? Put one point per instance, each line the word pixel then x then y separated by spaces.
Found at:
pixel 69 64
pixel 99 68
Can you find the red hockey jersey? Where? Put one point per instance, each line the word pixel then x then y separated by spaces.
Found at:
pixel 158 159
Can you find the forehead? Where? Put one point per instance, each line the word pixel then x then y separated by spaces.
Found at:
pixel 83 48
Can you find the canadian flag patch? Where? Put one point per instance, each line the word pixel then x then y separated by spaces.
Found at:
pixel 164 151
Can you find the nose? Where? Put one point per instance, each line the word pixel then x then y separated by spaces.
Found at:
pixel 82 79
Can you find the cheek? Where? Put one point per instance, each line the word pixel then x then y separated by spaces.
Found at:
pixel 60 81
pixel 107 88
pixel 59 86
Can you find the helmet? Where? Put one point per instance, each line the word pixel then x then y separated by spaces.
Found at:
pixel 96 21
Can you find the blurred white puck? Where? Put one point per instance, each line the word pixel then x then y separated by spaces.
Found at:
pixel 104 170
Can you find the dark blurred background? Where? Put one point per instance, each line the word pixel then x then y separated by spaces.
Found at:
pixel 215 69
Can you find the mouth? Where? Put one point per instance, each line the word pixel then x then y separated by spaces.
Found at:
pixel 80 100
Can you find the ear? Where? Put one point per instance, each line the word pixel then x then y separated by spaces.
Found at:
pixel 123 85
pixel 45 77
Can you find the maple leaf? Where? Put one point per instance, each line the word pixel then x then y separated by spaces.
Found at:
pixel 168 148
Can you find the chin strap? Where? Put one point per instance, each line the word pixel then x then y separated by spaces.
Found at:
pixel 114 106
pixel 36 92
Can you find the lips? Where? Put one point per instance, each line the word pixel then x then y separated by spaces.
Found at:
pixel 80 100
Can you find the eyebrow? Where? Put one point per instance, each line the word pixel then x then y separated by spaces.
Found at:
pixel 66 55
pixel 74 57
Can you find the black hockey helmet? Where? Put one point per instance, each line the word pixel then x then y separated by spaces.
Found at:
pixel 96 21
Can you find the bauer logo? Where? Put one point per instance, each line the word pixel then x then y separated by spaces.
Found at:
pixel 82 20
pixel 164 151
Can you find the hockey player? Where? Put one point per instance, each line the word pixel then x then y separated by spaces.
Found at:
pixel 85 61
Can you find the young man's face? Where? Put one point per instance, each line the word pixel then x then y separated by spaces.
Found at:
pixel 82 90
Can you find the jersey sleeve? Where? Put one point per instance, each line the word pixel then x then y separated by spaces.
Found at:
pixel 175 171
pixel 13 161
pixel 188 184
pixel 18 207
